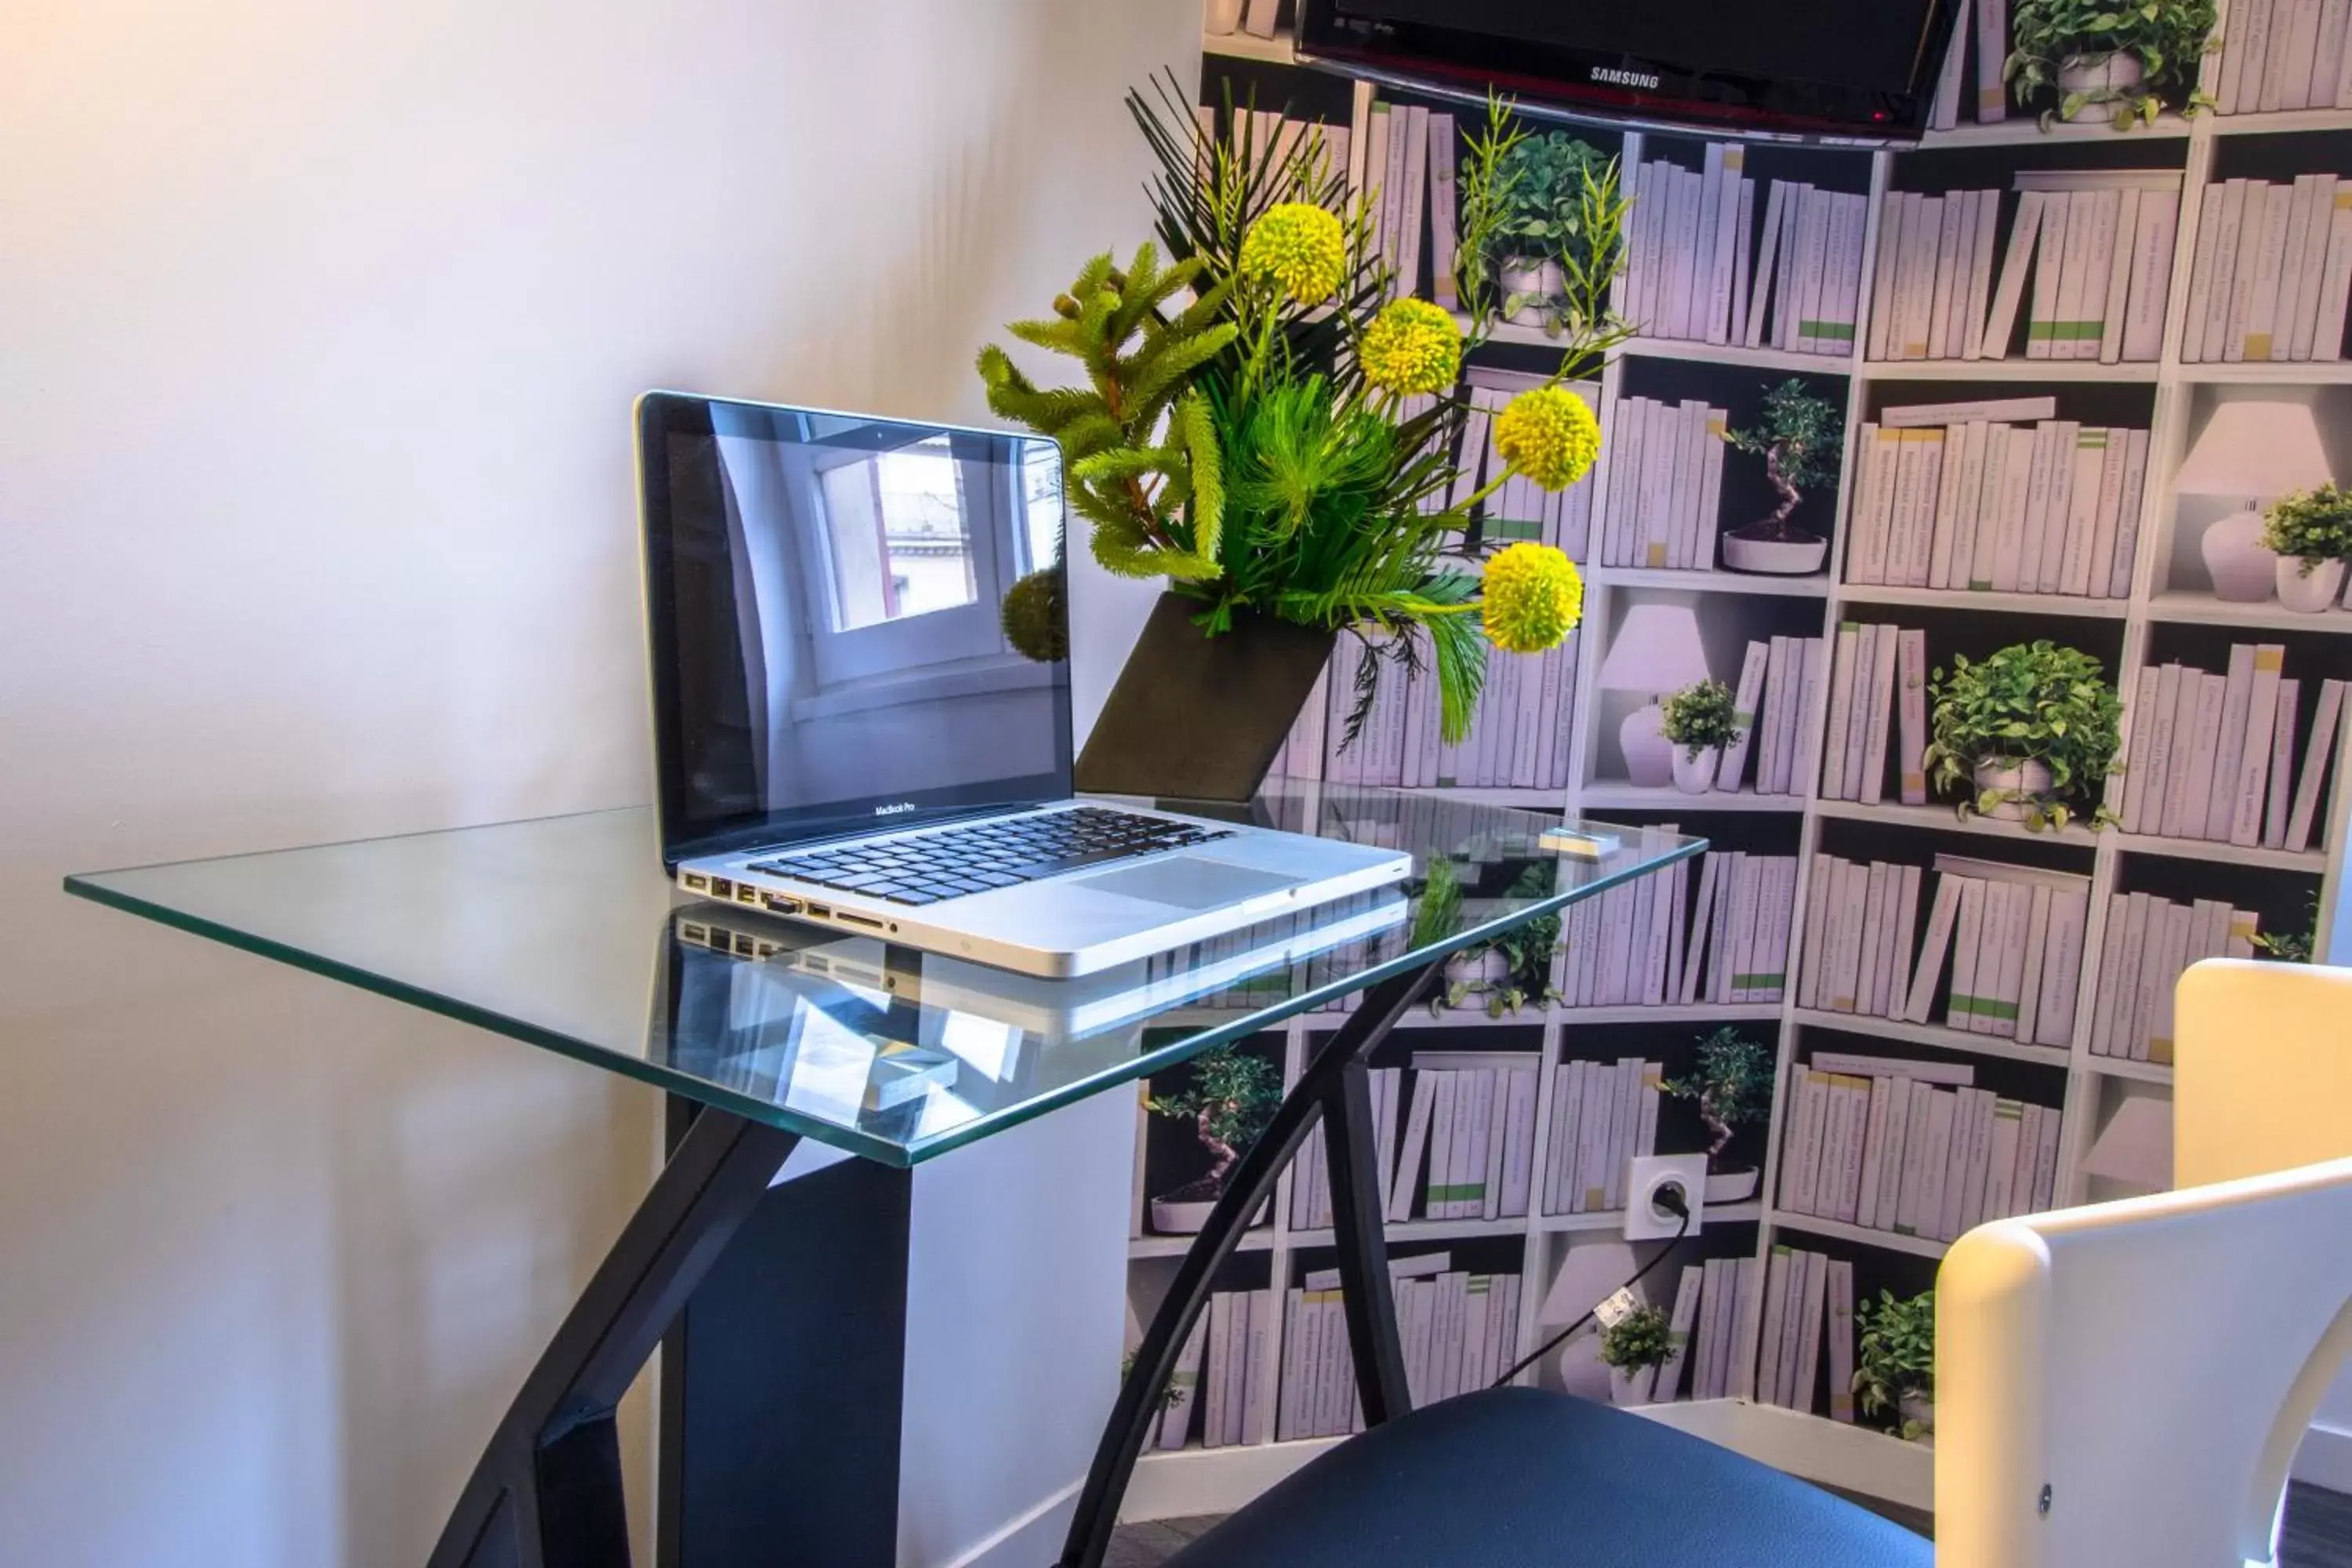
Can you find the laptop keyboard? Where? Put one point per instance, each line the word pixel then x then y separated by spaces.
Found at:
pixel 986 855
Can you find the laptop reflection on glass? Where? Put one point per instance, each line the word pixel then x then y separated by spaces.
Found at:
pixel 844 734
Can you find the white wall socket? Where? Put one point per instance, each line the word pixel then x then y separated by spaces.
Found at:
pixel 1651 1174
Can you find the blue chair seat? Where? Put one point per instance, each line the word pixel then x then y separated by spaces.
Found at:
pixel 1519 1477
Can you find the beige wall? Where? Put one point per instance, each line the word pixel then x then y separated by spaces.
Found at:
pixel 318 326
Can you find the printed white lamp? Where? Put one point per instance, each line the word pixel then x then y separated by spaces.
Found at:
pixel 2254 452
pixel 1657 652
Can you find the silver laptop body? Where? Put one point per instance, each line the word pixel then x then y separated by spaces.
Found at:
pixel 845 735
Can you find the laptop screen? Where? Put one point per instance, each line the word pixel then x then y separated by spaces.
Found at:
pixel 824 597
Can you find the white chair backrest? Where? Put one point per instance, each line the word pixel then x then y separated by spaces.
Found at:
pixel 2150 1366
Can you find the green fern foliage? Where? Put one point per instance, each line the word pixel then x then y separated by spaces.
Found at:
pixel 1138 438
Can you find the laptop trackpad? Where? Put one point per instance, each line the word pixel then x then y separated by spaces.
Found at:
pixel 1188 882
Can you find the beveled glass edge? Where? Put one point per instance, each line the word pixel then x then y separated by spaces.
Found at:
pixel 702 1092
pixel 1143 1064
pixel 833 1134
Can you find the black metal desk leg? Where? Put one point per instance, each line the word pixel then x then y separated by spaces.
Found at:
pixel 1320 1086
pixel 547 1492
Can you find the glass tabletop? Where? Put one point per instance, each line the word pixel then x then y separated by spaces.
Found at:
pixel 565 934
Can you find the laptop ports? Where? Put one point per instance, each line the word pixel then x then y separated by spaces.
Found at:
pixel 779 904
pixel 747 894
pixel 696 883
pixel 721 887
pixel 849 918
pixel 819 911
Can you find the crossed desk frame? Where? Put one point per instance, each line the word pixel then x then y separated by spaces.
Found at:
pixel 547 1492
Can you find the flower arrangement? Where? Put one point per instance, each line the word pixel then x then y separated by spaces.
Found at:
pixel 2313 526
pixel 2127 58
pixel 1701 717
pixel 1263 425
pixel 2022 731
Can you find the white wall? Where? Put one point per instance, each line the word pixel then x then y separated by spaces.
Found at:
pixel 319 325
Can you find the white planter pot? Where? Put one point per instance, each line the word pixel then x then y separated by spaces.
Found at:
pixel 1919 1408
pixel 2308 594
pixel 2030 777
pixel 1624 1386
pixel 2101 78
pixel 1647 754
pixel 1696 776
pixel 2244 571
pixel 1220 16
pixel 1731 1186
pixel 1482 968
pixel 1522 276
pixel 1779 559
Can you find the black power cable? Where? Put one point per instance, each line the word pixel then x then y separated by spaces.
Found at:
pixel 1665 1197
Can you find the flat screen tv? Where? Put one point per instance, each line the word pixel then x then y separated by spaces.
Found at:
pixel 1819 67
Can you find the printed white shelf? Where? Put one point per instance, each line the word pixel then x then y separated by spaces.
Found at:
pixel 1739 355
pixel 1241 45
pixel 1615 794
pixel 1498 794
pixel 2124 1067
pixel 2270 373
pixel 2313 862
pixel 1936 1035
pixel 1421 1017
pixel 1942 818
pixel 1258 1240
pixel 2204 609
pixel 1400 1231
pixel 1696 1013
pixel 1893 1241
pixel 2279 119
pixel 1613 1220
pixel 2005 370
pixel 2073 604
pixel 2025 130
pixel 1816 586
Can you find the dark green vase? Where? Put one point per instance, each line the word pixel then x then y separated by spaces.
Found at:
pixel 1195 717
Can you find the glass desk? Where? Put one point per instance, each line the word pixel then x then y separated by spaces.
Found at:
pixel 565 934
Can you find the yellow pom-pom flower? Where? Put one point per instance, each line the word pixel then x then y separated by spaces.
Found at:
pixel 1533 597
pixel 1298 247
pixel 1412 347
pixel 1548 435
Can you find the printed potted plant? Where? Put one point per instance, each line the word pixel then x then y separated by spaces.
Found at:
pixel 2311 534
pixel 1637 1343
pixel 1231 1097
pixel 2028 734
pixel 1699 720
pixel 1799 438
pixel 1894 1362
pixel 2122 61
pixel 1733 1087
pixel 2290 946
pixel 1260 424
pixel 1512 970
pixel 1561 224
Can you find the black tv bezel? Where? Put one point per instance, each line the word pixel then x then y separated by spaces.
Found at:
pixel 1453 59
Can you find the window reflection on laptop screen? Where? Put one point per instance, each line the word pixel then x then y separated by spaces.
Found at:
pixel 825 593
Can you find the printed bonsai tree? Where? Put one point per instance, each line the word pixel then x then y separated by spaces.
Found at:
pixel 1733 1087
pixel 1895 1358
pixel 2032 702
pixel 1701 717
pixel 1230 1099
pixel 2313 527
pixel 1798 437
pixel 2165 39
pixel 1641 1338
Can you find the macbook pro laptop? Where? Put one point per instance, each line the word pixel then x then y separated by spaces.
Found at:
pixel 844 733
